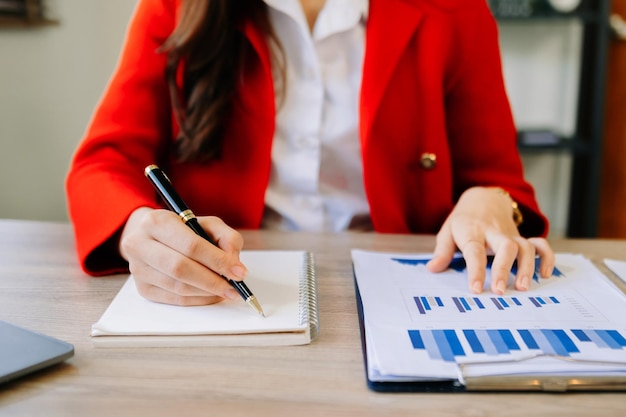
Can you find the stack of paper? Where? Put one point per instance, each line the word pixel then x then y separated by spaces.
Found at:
pixel 421 326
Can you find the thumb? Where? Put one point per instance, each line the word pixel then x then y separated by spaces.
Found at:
pixel 444 250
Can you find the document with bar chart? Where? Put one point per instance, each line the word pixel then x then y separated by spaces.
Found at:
pixel 422 326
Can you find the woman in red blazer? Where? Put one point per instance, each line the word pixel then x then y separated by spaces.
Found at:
pixel 437 136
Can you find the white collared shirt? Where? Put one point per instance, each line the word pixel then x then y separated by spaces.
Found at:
pixel 316 181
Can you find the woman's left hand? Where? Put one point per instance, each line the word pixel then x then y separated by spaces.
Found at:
pixel 482 222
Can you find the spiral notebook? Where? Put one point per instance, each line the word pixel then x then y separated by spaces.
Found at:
pixel 284 282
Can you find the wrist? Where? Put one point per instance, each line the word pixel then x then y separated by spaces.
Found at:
pixel 133 219
pixel 518 217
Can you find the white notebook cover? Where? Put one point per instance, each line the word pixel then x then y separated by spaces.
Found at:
pixel 283 282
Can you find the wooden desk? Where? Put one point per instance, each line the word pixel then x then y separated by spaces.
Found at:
pixel 43 288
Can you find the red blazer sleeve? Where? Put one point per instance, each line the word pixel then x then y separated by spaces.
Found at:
pixel 433 85
pixel 128 131
pixel 481 129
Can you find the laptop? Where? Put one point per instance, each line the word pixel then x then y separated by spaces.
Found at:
pixel 23 351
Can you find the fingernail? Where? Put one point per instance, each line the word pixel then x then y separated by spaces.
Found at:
pixel 429 265
pixel 239 271
pixel 546 272
pixel 231 294
pixel 477 287
pixel 500 287
pixel 523 284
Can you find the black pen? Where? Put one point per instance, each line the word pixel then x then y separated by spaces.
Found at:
pixel 173 201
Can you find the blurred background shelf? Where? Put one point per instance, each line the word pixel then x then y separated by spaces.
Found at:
pixel 582 138
pixel 23 13
pixel 21 22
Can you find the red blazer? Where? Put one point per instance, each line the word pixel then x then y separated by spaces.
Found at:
pixel 432 83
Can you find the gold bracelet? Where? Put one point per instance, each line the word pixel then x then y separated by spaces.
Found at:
pixel 518 217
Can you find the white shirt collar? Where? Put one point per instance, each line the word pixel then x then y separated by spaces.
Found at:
pixel 336 16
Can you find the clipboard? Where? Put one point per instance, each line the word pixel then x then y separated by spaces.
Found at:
pixel 545 383
pixel 589 374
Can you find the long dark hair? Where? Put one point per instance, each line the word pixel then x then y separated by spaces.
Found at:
pixel 212 51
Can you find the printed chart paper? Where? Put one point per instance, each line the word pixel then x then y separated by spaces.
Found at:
pixel 421 325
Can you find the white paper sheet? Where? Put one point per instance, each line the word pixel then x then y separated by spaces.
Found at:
pixel 618 268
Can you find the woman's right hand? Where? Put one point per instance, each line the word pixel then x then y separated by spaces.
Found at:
pixel 173 265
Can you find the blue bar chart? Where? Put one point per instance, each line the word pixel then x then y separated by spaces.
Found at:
pixel 448 344
pixel 428 304
pixel 542 301
pixel 425 304
pixel 458 264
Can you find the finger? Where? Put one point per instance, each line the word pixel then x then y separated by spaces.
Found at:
pixel 525 264
pixel 159 295
pixel 546 255
pixel 444 250
pixel 146 276
pixel 227 238
pixel 505 253
pixel 157 287
pixel 476 260
pixel 231 242
pixel 174 234
pixel 175 265
pixel 190 272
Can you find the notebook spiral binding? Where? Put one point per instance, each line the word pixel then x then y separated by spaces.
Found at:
pixel 308 290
